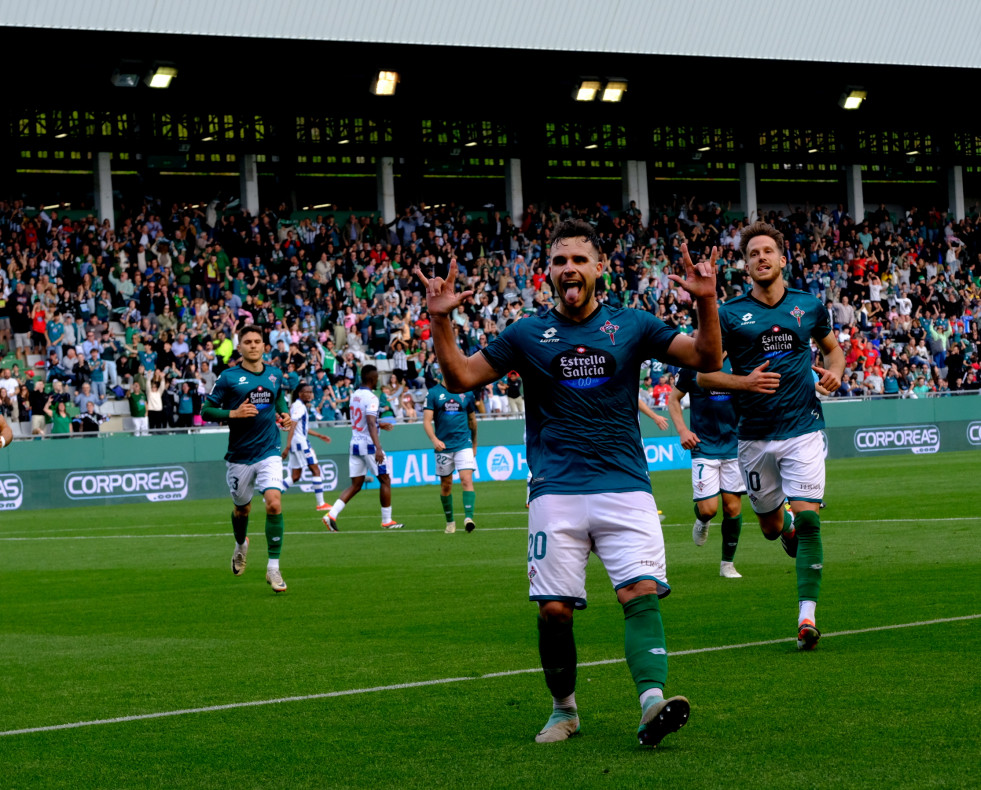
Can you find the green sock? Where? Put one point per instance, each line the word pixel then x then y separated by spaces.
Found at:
pixel 731 527
pixel 240 526
pixel 810 555
pixel 274 534
pixel 698 514
pixel 447 502
pixel 788 523
pixel 468 500
pixel 645 648
pixel 557 648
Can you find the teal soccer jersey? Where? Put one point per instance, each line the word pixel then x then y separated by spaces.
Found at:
pixel 451 417
pixel 712 415
pixel 754 333
pixel 254 438
pixel 581 383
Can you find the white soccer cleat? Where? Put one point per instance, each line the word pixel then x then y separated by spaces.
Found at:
pixel 700 532
pixel 450 528
pixel 560 726
pixel 275 580
pixel 728 571
pixel 240 557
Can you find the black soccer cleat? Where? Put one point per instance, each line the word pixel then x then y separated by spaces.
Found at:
pixel 662 718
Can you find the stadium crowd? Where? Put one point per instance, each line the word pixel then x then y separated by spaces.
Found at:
pixel 147 311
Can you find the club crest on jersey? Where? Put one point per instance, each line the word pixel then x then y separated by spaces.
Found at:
pixel 610 329
pixel 797 313
pixel 272 377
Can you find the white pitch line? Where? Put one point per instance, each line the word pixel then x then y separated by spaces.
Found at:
pixel 443 681
pixel 433 530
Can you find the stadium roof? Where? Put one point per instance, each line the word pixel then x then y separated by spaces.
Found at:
pixel 885 32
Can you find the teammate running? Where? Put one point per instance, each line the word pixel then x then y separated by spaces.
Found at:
pixel 298 448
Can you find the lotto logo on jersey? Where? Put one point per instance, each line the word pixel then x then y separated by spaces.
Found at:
pixel 261 398
pixel 11 492
pixel 777 342
pixel 584 367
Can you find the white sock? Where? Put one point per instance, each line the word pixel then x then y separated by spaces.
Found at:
pixel 242 545
pixel 286 485
pixel 568 703
pixel 272 565
pixel 806 611
pixel 318 490
pixel 386 515
pixel 337 507
pixel 651 694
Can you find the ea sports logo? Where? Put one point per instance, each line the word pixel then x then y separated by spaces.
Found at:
pixel 500 463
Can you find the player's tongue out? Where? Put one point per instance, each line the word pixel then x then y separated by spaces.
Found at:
pixel 572 290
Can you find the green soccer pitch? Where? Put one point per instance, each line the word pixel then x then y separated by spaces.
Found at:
pixel 130 656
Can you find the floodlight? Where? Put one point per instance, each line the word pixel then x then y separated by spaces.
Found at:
pixel 852 98
pixel 384 83
pixel 704 148
pixel 160 75
pixel 614 90
pixel 587 90
pixel 127 74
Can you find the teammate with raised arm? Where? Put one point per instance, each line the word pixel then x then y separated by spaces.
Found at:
pixel 249 397
pixel 366 452
pixel 767 334
pixel 298 448
pixel 591 490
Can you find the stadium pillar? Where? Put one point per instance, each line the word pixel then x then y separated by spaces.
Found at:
pixel 103 186
pixel 635 186
pixel 747 190
pixel 512 186
pixel 385 181
pixel 248 180
pixel 955 192
pixel 856 197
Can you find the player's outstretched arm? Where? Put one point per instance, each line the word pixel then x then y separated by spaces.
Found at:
pixel 646 410
pixel 758 380
pixel 460 372
pixel 704 351
pixel 829 377
pixel 688 438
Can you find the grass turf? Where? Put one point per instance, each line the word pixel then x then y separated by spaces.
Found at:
pixel 132 610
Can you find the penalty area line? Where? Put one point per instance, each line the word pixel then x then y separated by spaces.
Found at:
pixel 444 681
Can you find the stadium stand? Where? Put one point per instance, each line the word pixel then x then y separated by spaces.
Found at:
pixel 160 297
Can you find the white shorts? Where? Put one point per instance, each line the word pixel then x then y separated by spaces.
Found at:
pixel 461 459
pixel 301 455
pixel 709 476
pixel 244 479
pixel 362 459
pixel 622 529
pixel 781 469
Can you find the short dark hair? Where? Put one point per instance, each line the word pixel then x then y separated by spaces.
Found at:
pixel 577 229
pixel 761 229
pixel 249 329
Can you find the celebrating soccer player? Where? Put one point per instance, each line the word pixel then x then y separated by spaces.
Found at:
pixel 767 334
pixel 250 398
pixel 590 488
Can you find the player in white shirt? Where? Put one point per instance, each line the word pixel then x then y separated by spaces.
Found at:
pixel 366 452
pixel 298 448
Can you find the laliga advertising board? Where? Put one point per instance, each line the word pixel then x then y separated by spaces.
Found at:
pixel 508 462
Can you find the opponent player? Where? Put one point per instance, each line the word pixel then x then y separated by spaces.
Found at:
pixel 366 452
pixel 250 398
pixel 6 433
pixel 591 489
pixel 450 422
pixel 298 448
pixel 714 467
pixel 767 334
